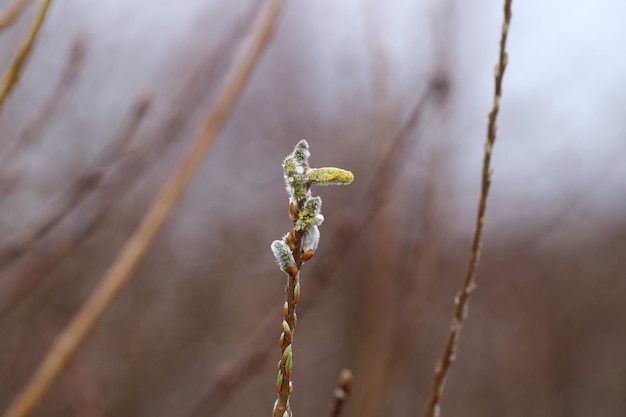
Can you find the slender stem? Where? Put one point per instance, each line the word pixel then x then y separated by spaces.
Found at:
pixel 469 285
pixel 342 393
pixel 143 238
pixel 12 13
pixel 13 74
pixel 283 385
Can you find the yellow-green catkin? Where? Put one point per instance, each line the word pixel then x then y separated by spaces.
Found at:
pixel 329 176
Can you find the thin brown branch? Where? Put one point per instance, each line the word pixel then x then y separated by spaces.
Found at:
pixel 469 284
pixel 13 74
pixel 13 12
pixel 284 385
pixel 342 393
pixel 143 238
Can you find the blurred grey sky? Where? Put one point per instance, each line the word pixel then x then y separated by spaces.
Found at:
pixel 561 147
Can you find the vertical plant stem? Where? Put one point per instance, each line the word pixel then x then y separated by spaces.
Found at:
pixel 342 393
pixel 136 247
pixel 284 387
pixel 12 76
pixel 469 285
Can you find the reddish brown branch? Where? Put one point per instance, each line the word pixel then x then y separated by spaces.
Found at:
pixel 463 298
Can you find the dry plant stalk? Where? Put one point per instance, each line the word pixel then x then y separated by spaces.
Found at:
pixel 469 285
pixel 296 247
pixel 13 74
pixel 345 386
pixel 13 12
pixel 143 238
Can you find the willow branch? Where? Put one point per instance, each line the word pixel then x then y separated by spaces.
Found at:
pixel 257 348
pixel 284 386
pixel 13 74
pixel 13 12
pixel 469 285
pixel 143 238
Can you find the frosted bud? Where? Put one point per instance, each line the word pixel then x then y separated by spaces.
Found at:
pixel 311 239
pixel 283 255
pixel 295 181
pixel 301 152
pixel 307 217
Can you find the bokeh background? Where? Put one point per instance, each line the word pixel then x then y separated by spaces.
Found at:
pixel 396 91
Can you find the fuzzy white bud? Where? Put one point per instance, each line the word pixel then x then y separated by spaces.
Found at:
pixel 283 255
pixel 311 239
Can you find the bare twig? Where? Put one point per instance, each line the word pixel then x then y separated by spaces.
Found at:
pixel 342 392
pixel 77 191
pixel 469 284
pixel 284 385
pixel 13 74
pixel 297 247
pixel 142 239
pixel 13 12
